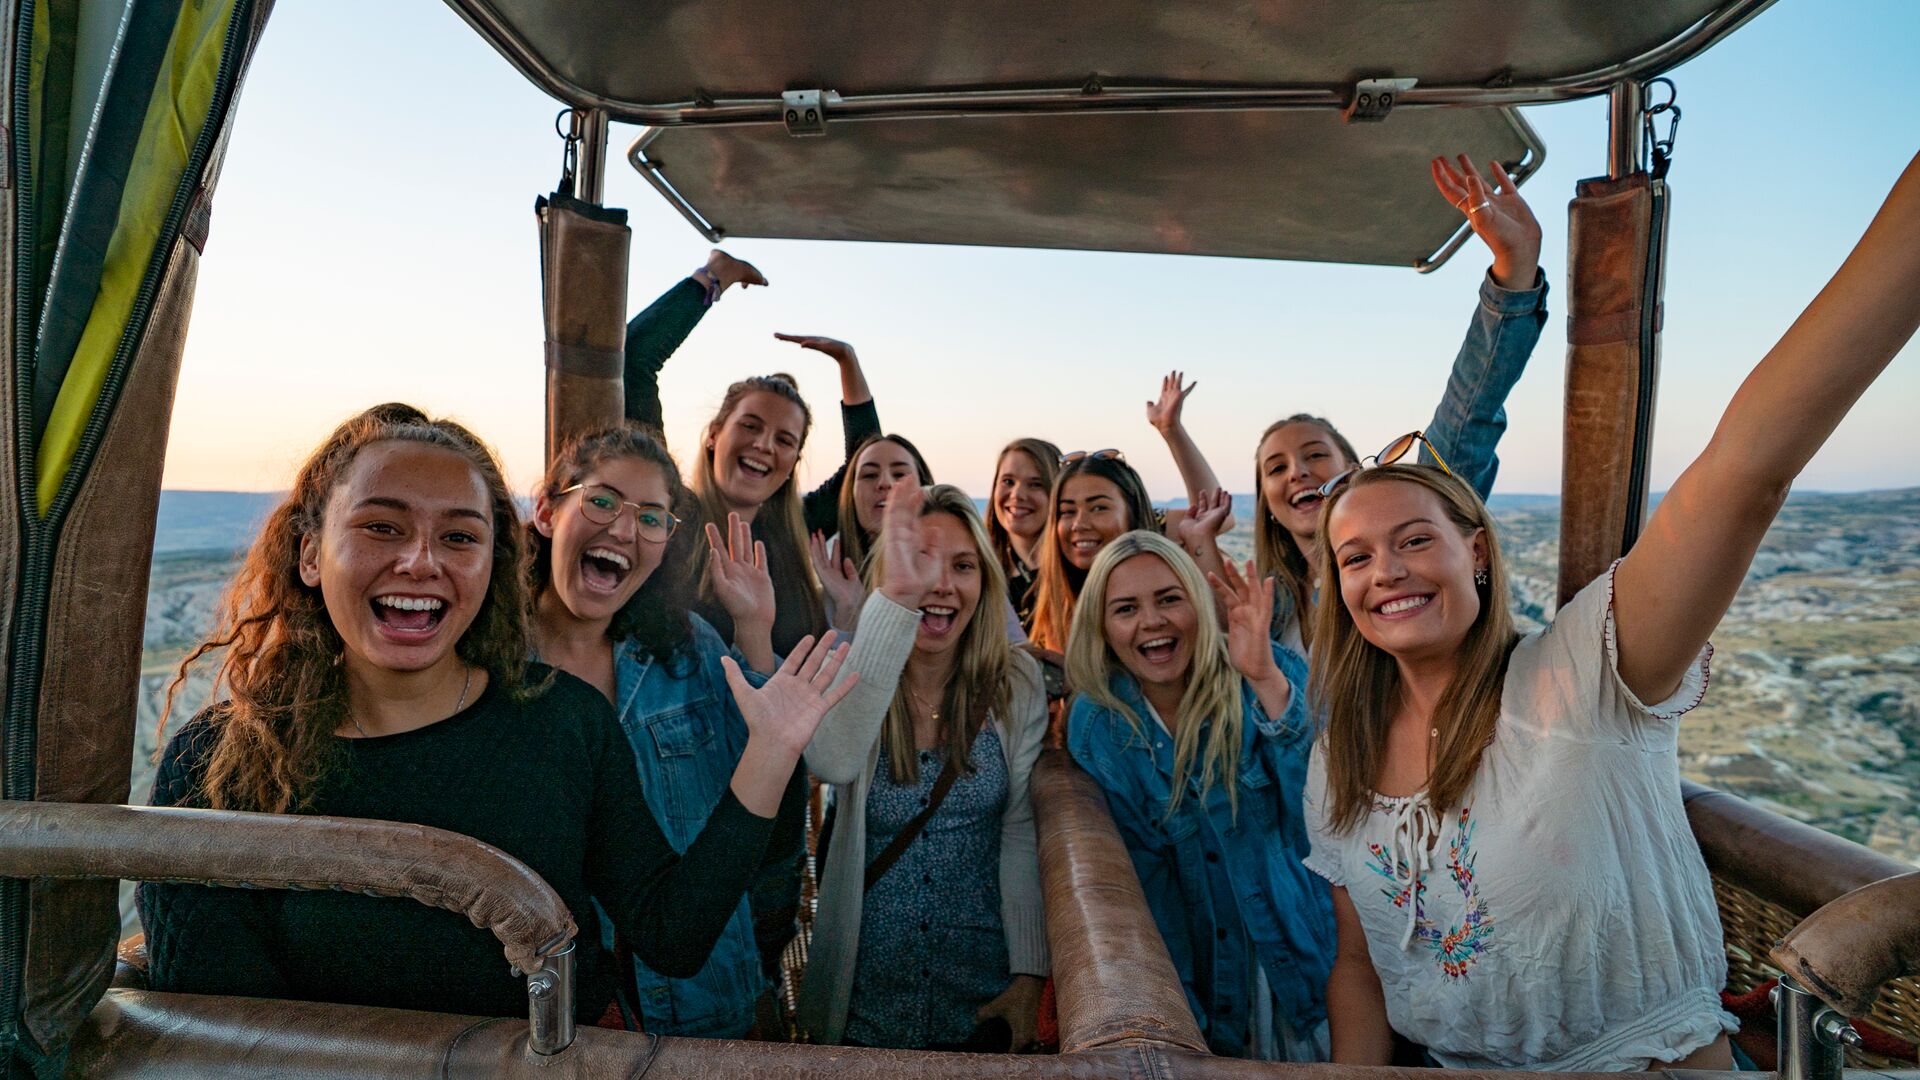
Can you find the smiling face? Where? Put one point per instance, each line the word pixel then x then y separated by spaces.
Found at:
pixel 404 556
pixel 948 607
pixel 1294 461
pixel 881 466
pixel 1151 623
pixel 595 569
pixel 1406 569
pixel 754 448
pixel 1092 512
pixel 1020 496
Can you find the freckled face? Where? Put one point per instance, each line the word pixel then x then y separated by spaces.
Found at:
pixel 755 448
pixel 1020 495
pixel 1294 461
pixel 1092 512
pixel 403 556
pixel 1150 622
pixel 1406 570
pixel 882 466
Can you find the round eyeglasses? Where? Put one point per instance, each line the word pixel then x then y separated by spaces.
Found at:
pixel 602 505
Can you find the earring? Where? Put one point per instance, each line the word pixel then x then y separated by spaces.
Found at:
pixel 1480 576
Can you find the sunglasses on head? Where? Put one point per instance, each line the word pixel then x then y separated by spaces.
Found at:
pixel 1096 455
pixel 1388 454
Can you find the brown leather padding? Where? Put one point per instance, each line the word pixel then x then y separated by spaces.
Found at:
pixel 1782 861
pixel 163 1036
pixel 1113 980
pixel 1849 949
pixel 1609 226
pixel 584 271
pixel 290 851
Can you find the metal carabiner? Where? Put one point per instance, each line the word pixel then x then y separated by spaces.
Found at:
pixel 1659 150
pixel 570 149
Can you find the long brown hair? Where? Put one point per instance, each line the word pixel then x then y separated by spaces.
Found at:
pixel 1358 684
pixel 1276 553
pixel 1209 707
pixel 282 670
pixel 782 521
pixel 983 667
pixel 655 615
pixel 1059 581
pixel 855 544
pixel 1046 460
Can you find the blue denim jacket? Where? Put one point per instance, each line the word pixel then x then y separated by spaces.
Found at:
pixel 1217 884
pixel 687 737
pixel 1473 409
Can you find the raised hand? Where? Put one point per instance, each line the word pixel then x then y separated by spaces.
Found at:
pixel 1247 601
pixel 841 352
pixel 787 708
pixel 1164 412
pixel 739 573
pixel 1500 218
pixel 839 578
pixel 909 569
pixel 727 270
pixel 1205 520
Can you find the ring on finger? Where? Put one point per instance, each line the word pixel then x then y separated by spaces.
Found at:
pixel 1479 206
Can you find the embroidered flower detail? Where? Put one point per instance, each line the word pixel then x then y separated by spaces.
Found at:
pixel 1459 947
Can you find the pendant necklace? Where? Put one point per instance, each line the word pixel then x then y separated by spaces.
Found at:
pixel 466 684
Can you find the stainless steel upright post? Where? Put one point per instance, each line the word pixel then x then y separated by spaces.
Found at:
pixel 1626 115
pixel 550 1004
pixel 1811 1037
pixel 591 178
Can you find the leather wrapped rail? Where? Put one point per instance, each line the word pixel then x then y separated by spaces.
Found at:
pixel 290 851
pixel 157 1036
pixel 1849 949
pixel 1782 861
pixel 1113 980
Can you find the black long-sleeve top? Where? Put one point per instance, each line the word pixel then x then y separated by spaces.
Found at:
pixel 550 780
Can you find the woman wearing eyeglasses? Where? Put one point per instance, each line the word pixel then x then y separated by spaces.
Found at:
pixel 1515 884
pixel 1298 454
pixel 608 610
pixel 374 649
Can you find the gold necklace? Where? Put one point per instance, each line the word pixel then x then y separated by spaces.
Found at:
pixel 465 685
pixel 932 713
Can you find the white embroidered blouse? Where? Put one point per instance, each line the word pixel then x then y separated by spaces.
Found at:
pixel 1562 918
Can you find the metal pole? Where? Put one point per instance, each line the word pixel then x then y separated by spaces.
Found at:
pixel 550 1004
pixel 1626 116
pixel 591 180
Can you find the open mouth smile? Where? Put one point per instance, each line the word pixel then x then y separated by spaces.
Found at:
pixel 1159 650
pixel 1401 607
pixel 408 618
pixel 754 468
pixel 937 619
pixel 603 569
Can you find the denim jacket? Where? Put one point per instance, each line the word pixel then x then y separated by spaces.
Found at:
pixel 687 737
pixel 1472 414
pixel 1217 884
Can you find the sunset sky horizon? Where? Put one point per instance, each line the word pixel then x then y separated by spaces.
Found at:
pixel 373 239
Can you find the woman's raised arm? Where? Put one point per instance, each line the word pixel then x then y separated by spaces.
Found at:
pixel 1680 577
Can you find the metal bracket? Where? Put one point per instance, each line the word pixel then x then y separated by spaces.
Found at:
pixel 804 111
pixel 1372 99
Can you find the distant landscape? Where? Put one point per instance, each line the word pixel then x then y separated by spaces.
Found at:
pixel 1814 709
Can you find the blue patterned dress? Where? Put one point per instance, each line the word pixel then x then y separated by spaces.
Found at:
pixel 932 946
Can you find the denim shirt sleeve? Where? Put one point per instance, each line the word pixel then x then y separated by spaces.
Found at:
pixel 1473 412
pixel 1294 725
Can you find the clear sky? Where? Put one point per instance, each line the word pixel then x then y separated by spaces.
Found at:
pixel 373 239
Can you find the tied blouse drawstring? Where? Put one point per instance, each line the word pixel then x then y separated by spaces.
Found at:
pixel 1414 828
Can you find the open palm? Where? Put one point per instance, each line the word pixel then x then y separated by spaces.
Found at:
pixel 738 568
pixel 1500 217
pixel 1248 602
pixel 909 569
pixel 788 707
pixel 1164 412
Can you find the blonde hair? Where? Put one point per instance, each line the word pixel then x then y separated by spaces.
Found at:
pixel 783 520
pixel 979 682
pixel 855 542
pixel 1046 461
pixel 1276 554
pixel 1358 684
pixel 1210 708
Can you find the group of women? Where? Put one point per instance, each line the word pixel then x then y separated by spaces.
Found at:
pixel 1370 819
